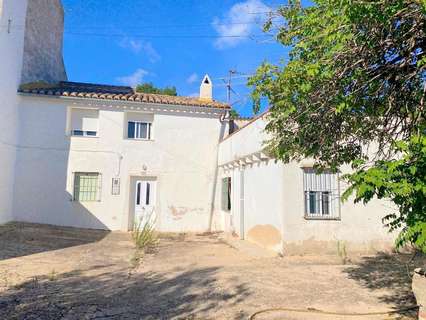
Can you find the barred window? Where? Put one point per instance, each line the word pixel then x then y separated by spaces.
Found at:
pixel 321 194
pixel 87 186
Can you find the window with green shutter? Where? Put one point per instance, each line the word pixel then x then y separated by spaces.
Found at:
pixel 87 186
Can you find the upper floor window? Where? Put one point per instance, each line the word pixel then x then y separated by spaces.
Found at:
pixel 139 126
pixel 84 122
pixel 139 130
pixel 321 194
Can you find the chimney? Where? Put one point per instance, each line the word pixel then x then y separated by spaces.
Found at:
pixel 44 27
pixel 206 89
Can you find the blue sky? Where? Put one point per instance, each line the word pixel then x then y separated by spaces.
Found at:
pixel 171 42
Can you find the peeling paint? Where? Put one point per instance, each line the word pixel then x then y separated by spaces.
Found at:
pixel 179 212
pixel 265 235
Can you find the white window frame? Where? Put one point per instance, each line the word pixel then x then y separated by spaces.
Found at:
pixel 81 133
pixel 84 133
pixel 317 185
pixel 138 131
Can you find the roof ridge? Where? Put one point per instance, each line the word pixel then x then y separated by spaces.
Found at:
pixel 111 92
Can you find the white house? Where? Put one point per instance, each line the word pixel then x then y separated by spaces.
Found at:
pixel 288 207
pixel 99 156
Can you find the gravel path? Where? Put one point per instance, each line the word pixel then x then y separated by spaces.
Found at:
pixel 63 273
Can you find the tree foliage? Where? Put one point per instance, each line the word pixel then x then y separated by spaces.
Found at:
pixel 403 181
pixel 354 86
pixel 234 114
pixel 148 87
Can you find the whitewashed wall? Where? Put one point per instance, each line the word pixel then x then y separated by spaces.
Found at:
pixel 183 158
pixel 274 205
pixel 11 48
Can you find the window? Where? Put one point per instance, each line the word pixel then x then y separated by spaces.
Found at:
pixel 87 186
pixel 139 130
pixel 84 133
pixel 226 194
pixel 321 194
pixel 84 122
pixel 148 191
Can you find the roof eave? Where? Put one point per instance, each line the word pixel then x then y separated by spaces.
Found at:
pixel 85 100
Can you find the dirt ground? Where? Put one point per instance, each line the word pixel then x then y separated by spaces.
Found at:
pixel 64 273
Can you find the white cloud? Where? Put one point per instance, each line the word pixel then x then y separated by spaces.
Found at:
pixel 239 22
pixel 138 46
pixel 194 95
pixel 192 78
pixel 150 52
pixel 134 79
pixel 133 45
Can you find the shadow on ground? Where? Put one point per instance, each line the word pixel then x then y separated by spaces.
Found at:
pixel 21 239
pixel 390 273
pixel 118 295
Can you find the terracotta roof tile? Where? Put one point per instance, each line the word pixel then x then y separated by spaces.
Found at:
pixel 107 92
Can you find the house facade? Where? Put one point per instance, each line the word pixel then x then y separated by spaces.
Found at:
pixel 289 208
pixel 100 156
pixel 103 162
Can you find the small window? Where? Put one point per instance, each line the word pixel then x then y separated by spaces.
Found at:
pixel 321 194
pixel 226 194
pixel 87 186
pixel 82 133
pixel 139 130
pixel 84 122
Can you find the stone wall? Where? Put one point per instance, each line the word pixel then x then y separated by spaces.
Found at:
pixel 43 60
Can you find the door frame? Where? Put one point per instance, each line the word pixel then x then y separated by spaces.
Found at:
pixel 132 193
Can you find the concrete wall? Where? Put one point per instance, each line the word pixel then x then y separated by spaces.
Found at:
pixel 274 205
pixel 182 157
pixel 44 25
pixel 11 48
pixel 256 214
pixel 359 229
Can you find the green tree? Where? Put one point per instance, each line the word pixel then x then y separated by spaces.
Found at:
pixel 234 113
pixel 354 86
pixel 148 87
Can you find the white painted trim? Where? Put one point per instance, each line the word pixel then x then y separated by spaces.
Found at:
pixel 133 105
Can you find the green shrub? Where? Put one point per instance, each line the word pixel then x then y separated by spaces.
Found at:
pixel 144 234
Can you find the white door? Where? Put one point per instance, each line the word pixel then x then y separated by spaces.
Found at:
pixel 145 201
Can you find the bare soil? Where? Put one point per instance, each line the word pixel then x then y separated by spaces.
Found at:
pixel 64 273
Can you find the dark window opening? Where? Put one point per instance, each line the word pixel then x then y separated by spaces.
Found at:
pixel 226 194
pixel 138 194
pixel 148 190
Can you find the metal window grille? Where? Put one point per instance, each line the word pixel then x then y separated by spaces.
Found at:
pixel 321 194
pixel 87 186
